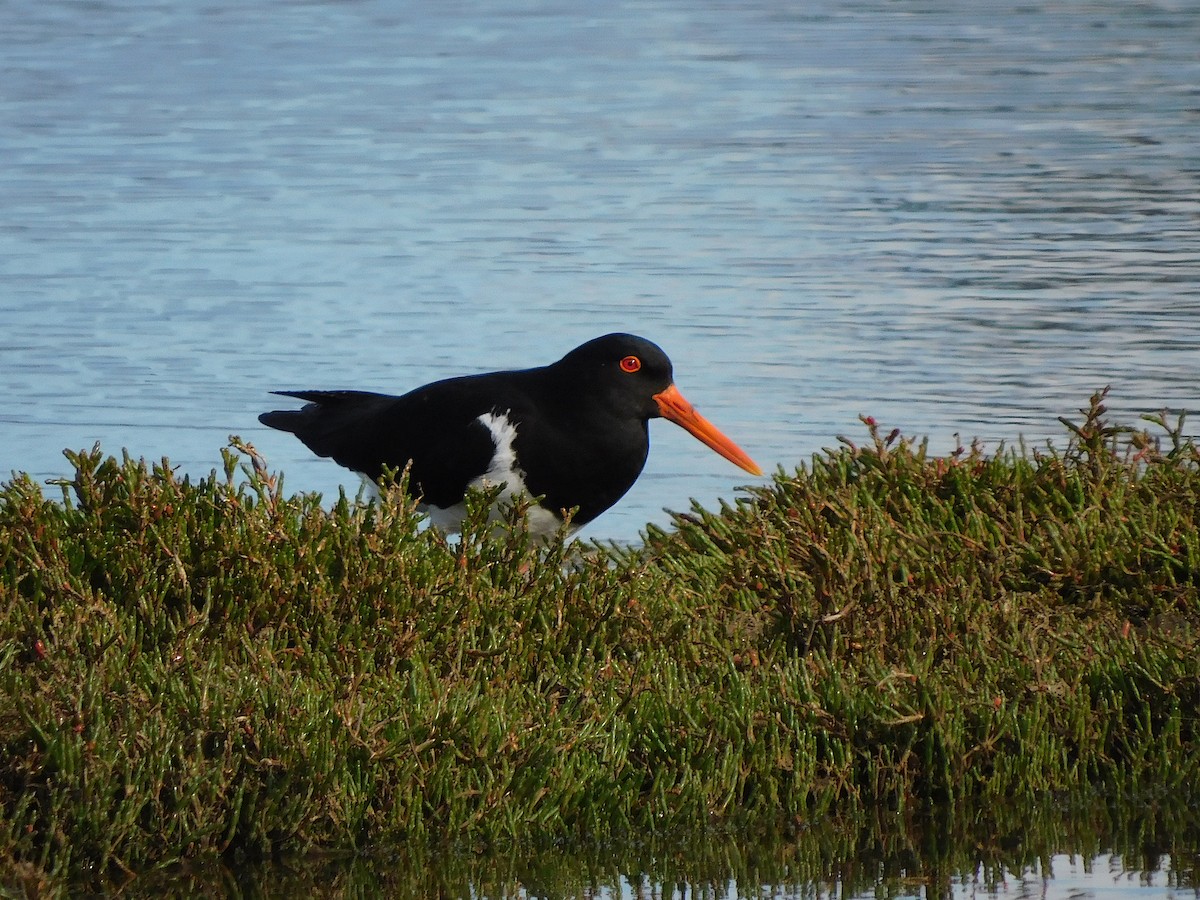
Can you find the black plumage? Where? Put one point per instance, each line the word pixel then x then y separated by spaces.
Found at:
pixel 577 429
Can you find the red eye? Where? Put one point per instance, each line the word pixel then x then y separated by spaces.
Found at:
pixel 630 364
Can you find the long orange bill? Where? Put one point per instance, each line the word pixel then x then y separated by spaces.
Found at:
pixel 673 406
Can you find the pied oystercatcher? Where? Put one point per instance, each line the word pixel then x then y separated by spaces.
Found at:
pixel 574 433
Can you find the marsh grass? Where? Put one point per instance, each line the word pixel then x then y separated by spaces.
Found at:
pixel 192 668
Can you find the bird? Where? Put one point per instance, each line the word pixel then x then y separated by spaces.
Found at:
pixel 573 435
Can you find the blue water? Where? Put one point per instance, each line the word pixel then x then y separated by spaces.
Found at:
pixel 957 218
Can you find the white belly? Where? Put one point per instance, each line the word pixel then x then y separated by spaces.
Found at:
pixel 502 471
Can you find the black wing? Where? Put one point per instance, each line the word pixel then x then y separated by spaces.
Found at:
pixel 436 428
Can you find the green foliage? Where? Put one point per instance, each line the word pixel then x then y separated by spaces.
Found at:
pixel 212 667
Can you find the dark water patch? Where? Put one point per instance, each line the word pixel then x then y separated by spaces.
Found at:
pixel 1132 847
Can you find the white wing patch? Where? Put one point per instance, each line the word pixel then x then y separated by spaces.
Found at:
pixel 503 470
pixel 504 462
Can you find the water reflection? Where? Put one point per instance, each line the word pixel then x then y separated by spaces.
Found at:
pixel 1138 849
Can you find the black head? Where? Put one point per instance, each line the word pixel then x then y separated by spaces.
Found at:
pixel 630 378
pixel 623 370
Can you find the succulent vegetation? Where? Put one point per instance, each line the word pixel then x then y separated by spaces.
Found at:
pixel 194 668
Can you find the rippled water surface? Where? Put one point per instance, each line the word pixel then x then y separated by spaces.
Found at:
pixel 958 218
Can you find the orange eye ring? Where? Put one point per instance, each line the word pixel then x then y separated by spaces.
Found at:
pixel 631 364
